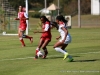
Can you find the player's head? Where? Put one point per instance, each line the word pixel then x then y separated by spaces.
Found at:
pixel 43 19
pixel 58 18
pixel 61 18
pixel 20 8
pixel 24 9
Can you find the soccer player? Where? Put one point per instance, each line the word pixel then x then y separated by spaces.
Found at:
pixel 45 36
pixel 65 38
pixel 22 17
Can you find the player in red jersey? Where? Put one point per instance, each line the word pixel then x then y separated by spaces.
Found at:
pixel 45 36
pixel 22 17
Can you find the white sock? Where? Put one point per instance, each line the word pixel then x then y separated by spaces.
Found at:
pixel 38 49
pixel 60 50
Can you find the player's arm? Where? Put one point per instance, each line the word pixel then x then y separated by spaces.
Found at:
pixel 45 30
pixel 58 37
pixel 66 32
pixel 17 17
pixel 26 16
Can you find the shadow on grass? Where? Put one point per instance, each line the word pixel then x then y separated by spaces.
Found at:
pixel 92 60
pixel 56 57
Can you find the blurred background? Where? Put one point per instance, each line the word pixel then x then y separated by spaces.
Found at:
pixel 81 13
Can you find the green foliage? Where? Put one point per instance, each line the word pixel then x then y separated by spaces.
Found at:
pixel 67 6
pixel 34 14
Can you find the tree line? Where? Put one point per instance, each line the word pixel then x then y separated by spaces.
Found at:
pixel 67 6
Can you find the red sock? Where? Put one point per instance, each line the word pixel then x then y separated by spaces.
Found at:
pixel 28 37
pixel 22 41
pixel 36 52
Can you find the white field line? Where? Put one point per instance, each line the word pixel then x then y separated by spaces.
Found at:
pixel 48 56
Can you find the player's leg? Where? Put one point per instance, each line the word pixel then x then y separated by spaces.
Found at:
pixel 23 27
pixel 57 48
pixel 28 37
pixel 46 42
pixel 69 56
pixel 38 48
pixel 20 34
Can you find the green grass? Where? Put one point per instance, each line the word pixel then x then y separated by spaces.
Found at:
pixel 85 49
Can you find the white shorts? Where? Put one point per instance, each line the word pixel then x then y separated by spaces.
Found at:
pixel 68 39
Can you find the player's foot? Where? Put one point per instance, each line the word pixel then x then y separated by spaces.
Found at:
pixel 31 39
pixel 70 60
pixel 36 57
pixel 45 55
pixel 65 56
pixel 23 45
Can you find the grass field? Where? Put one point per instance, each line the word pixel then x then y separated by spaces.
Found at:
pixel 85 49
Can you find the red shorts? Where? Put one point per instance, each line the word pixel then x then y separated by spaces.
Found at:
pixel 23 27
pixel 46 38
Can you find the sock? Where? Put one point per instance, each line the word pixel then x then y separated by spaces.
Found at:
pixel 60 50
pixel 37 50
pixel 28 37
pixel 22 41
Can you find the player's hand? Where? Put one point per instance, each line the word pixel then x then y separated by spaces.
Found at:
pixel 16 18
pixel 35 32
pixel 57 38
pixel 63 41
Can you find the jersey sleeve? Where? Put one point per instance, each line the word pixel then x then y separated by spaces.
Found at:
pixel 26 16
pixel 46 27
pixel 61 26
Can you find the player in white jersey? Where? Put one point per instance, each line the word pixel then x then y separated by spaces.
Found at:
pixel 65 38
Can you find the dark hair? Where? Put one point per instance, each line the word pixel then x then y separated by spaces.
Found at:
pixel 44 17
pixel 54 24
pixel 61 18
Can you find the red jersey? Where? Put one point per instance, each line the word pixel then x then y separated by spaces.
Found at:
pixel 22 15
pixel 47 29
pixel 23 24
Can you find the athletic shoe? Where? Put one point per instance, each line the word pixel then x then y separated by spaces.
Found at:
pixel 65 56
pixel 70 60
pixel 36 57
pixel 31 39
pixel 45 55
pixel 23 45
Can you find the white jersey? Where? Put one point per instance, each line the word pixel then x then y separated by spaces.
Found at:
pixel 20 14
pixel 62 34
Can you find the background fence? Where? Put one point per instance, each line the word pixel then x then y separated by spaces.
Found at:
pixel 7 17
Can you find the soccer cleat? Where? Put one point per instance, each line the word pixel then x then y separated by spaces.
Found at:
pixel 31 39
pixel 65 56
pixel 23 45
pixel 70 60
pixel 36 57
pixel 45 55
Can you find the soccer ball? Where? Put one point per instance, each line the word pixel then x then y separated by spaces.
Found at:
pixel 40 54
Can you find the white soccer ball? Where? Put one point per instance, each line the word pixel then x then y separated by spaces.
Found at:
pixel 40 54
